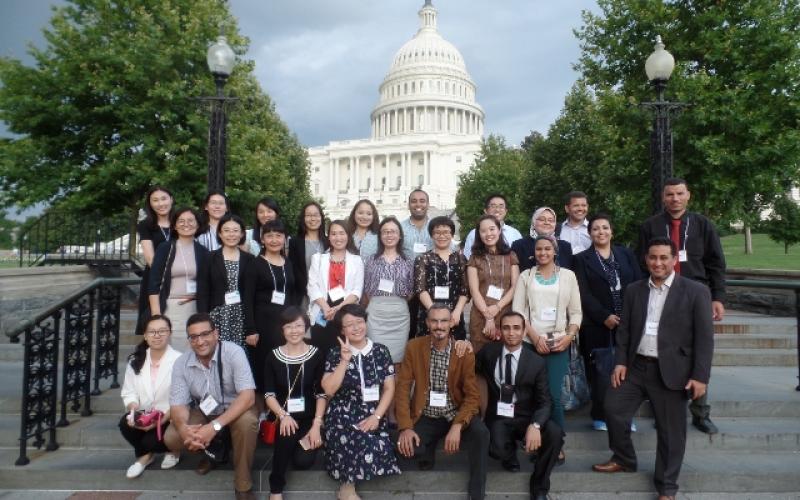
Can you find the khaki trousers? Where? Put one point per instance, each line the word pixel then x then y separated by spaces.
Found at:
pixel 243 438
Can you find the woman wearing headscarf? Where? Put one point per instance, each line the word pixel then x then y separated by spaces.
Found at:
pixel 543 223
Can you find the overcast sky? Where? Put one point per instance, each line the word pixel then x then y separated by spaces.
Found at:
pixel 322 60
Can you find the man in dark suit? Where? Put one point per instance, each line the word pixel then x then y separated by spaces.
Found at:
pixel 519 403
pixel 663 361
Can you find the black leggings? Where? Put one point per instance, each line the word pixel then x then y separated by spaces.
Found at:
pixel 288 449
pixel 143 442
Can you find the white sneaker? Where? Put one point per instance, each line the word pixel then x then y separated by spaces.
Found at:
pixel 137 468
pixel 170 460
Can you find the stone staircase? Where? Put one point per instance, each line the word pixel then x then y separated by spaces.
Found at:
pixel 755 455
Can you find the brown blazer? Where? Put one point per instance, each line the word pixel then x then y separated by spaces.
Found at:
pixel 415 373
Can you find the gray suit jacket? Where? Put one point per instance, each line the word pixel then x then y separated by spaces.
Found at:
pixel 685 332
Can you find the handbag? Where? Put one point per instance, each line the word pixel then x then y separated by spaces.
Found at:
pixel 146 419
pixel 219 449
pixel 269 427
pixel 574 389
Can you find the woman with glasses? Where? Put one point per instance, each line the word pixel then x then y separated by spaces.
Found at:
pixel 388 284
pixel 173 278
pixel 223 281
pixel 145 388
pixel 310 240
pixel 363 226
pixel 215 206
pixel 543 223
pixel 267 209
pixel 440 277
pixel 153 231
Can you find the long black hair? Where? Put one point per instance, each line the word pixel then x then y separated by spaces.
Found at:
pixel 151 219
pixel 479 249
pixel 270 203
pixel 390 220
pixel 302 229
pixel 137 357
pixel 351 220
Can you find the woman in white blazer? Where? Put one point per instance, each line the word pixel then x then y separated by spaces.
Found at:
pixel 335 278
pixel 148 377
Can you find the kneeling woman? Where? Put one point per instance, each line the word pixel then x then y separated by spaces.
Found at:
pixel 359 379
pixel 292 376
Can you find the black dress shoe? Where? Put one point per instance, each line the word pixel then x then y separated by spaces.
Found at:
pixel 540 496
pixel 511 465
pixel 426 463
pixel 705 425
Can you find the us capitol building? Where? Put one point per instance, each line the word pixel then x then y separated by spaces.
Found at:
pixel 426 129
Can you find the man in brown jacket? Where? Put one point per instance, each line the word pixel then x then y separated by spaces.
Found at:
pixel 443 403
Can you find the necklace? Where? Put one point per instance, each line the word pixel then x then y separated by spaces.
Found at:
pixel 545 281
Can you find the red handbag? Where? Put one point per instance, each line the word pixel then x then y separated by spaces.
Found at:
pixel 147 419
pixel 268 428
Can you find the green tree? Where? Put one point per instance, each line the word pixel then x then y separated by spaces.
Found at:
pixel 783 225
pixel 110 108
pixel 736 64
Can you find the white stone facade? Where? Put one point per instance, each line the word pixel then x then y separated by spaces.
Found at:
pixel 426 129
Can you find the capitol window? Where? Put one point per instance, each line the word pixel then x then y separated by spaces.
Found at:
pixel 458 159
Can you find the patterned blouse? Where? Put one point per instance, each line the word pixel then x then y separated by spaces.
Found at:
pixel 401 272
pixel 431 271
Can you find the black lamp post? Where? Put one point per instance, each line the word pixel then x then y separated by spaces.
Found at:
pixel 659 68
pixel 220 60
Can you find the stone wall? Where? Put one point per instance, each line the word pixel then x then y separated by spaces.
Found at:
pixel 25 291
pixel 762 300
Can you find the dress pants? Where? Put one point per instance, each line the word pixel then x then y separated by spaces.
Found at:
pixel 244 431
pixel 475 437
pixel 143 442
pixel 643 381
pixel 505 432
pixel 557 366
pixel 288 450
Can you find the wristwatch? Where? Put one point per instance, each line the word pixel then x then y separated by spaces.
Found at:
pixel 216 425
pixel 536 426
pixel 377 416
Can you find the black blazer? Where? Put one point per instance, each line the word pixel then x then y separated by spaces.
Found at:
pixel 214 280
pixel 596 301
pixel 297 254
pixel 530 383
pixel 685 332
pixel 161 272
pixel 524 249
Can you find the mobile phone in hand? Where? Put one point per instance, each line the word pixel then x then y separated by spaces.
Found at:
pixel 305 443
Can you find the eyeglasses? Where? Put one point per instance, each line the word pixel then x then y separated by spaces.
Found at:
pixel 201 335
pixel 235 230
pixel 389 232
pixel 312 216
pixel 442 233
pixel 497 205
pixel 158 333
pixel 185 222
pixel 546 219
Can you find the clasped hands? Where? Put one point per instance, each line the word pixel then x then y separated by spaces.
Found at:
pixel 196 437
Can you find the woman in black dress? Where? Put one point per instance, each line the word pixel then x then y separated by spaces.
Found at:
pixel 292 390
pixel 153 231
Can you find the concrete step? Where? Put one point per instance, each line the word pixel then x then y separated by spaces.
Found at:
pixel 704 471
pixel 379 495
pixel 754 357
pixel 754 341
pixel 737 322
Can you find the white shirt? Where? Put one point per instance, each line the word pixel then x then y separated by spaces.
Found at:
pixel 578 237
pixel 510 235
pixel 500 368
pixel 655 305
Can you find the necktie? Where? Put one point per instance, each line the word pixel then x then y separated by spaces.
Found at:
pixel 675 236
pixel 508 369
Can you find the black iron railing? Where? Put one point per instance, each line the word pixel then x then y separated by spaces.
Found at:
pixel 88 322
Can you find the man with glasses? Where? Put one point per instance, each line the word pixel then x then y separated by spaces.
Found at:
pixel 496 205
pixel 206 397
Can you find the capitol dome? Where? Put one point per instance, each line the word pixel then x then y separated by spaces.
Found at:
pixel 427 89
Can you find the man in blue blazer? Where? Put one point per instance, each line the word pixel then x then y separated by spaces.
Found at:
pixel 666 362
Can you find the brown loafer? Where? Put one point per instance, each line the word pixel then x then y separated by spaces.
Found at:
pixel 666 497
pixel 245 495
pixel 610 467
pixel 204 467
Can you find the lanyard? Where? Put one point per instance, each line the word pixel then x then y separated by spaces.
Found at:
pixel 502 268
pixel 274 281
pixel 361 370
pixel 164 233
pixel 185 267
pixel 603 265
pixel 289 379
pixel 436 271
pixel 685 233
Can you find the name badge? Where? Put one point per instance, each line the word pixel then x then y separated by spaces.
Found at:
pixel 420 248
pixel 232 298
pixel 651 328
pixel 371 393
pixel 191 286
pixel 682 257
pixel 505 409
pixel 208 405
pixel 336 293
pixel 548 314
pixel 438 399
pixel 321 321
pixel 386 286
pixel 441 292
pixel 278 298
pixel 494 292
pixel 296 405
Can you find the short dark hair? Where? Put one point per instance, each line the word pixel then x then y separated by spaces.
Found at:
pixel 662 241
pixel 418 190
pixel 235 218
pixel 676 181
pixel 270 203
pixel 173 221
pixel 441 220
pixel 292 314
pixel 436 306
pixel 356 310
pixel 572 195
pixel 390 220
pixel 600 216
pixel 200 318
pixel 272 226
pixel 493 196
pixel 512 314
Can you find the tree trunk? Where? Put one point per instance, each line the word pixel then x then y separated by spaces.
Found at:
pixel 748 240
pixel 786 248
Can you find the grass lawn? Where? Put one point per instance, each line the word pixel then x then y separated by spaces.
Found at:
pixel 766 253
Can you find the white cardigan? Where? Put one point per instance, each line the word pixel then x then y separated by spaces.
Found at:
pixel 318 279
pixel 569 301
pixel 139 388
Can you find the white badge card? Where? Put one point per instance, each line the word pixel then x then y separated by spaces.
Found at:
pixel 208 405
pixel 682 257
pixel 438 399
pixel 278 298
pixel 336 293
pixel 386 286
pixel 505 409
pixel 494 292
pixel 420 248
pixel 651 328
pixel 232 298
pixel 191 286
pixel 296 405
pixel 441 292
pixel 548 314
pixel 371 393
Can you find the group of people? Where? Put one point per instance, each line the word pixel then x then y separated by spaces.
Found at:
pixel 354 336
